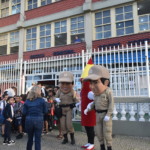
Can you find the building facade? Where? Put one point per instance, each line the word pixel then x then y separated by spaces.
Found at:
pixel 36 29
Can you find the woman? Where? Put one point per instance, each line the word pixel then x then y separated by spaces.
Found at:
pixel 34 110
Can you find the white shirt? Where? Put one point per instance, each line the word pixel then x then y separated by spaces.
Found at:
pixel 2 104
pixel 12 110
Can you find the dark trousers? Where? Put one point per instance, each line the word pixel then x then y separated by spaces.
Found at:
pixel 90 134
pixel 7 131
pixel 34 128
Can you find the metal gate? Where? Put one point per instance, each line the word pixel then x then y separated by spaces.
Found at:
pixel 128 66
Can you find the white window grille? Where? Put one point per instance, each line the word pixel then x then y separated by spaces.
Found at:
pixel 102 24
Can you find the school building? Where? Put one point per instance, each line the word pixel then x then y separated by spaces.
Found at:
pixel 41 38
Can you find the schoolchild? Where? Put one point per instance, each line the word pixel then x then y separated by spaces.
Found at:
pixel 8 116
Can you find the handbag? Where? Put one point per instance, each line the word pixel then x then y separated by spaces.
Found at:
pixel 58 111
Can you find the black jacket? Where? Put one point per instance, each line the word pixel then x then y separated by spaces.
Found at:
pixel 7 112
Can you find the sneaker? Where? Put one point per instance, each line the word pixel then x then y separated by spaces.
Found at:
pixel 5 142
pixel 12 142
pixel 19 136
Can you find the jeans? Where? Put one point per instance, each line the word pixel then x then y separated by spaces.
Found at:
pixel 7 135
pixel 34 126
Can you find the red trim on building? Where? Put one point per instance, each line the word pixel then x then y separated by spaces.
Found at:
pixel 77 48
pixel 53 8
pixel 9 20
pixel 10 57
pixel 122 40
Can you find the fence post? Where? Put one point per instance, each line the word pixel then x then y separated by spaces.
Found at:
pixel 20 76
pixel 147 67
pixel 83 59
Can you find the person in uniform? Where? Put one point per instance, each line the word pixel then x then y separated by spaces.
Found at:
pixel 67 98
pixel 103 104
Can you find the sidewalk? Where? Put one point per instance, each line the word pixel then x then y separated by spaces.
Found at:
pixel 50 142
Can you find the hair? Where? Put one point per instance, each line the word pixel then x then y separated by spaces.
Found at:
pixel 9 98
pixel 34 93
pixel 4 95
pixel 103 81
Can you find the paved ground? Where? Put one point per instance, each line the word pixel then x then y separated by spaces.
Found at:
pixel 50 142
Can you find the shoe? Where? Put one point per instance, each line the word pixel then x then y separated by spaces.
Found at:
pixel 85 146
pixel 19 136
pixel 91 147
pixel 12 142
pixel 5 142
pixel 65 139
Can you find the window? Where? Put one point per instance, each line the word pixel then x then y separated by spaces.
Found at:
pixel 124 20
pixel 60 33
pixel 45 36
pixel 31 39
pixel 3 44
pixel 45 2
pixel 14 42
pixel 143 7
pixel 32 4
pixel 77 29
pixel 144 22
pixel 4 8
pixel 16 6
pixel 102 23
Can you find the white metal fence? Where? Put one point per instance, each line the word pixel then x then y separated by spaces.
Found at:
pixel 128 66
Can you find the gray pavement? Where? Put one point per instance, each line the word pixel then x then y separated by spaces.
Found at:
pixel 50 142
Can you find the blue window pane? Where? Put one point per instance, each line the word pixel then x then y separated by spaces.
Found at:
pixel 48 27
pixel 34 5
pixel 107 27
pixel 119 10
pixel 42 40
pixel 49 1
pixel 33 47
pixel 143 19
pixel 28 36
pixel 42 28
pixel 99 29
pixel 73 20
pixel 33 42
pixel 81 18
pixel 48 44
pixel 128 23
pixel 119 17
pixel 29 7
pixel 106 13
pixel 144 27
pixel 57 24
pixel 30 2
pixel 63 23
pixel 42 33
pixel 99 36
pixel 57 30
pixel 120 25
pixel 35 1
pixel 42 45
pixel 106 20
pixel 98 22
pixel 81 25
pixel 63 29
pixel 107 34
pixel 128 16
pixel 34 35
pixel 28 43
pixel 43 3
pixel 128 8
pixel 129 30
pixel 33 29
pixel 98 15
pixel 120 32
pixel 73 26
pixel 81 31
pixel 48 32
pixel 48 39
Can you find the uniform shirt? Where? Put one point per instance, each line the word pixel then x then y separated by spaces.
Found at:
pixel 68 98
pixel 104 101
pixel 3 104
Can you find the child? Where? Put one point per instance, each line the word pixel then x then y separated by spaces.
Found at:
pixel 8 116
pixel 103 104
